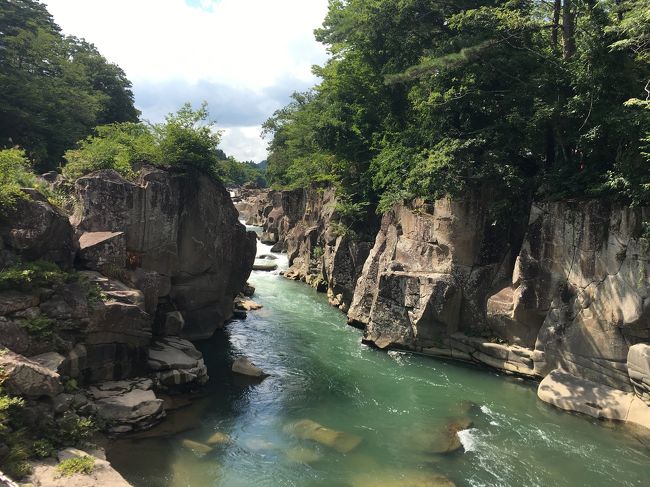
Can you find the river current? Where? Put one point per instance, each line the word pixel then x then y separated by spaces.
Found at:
pixel 399 405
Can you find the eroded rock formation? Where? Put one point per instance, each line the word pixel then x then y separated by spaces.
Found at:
pixel 430 272
pixel 303 222
pixel 185 248
pixel 153 259
pixel 557 289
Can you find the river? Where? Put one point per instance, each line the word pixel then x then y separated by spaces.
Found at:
pixel 396 403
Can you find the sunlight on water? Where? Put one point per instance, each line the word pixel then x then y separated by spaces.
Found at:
pixel 403 410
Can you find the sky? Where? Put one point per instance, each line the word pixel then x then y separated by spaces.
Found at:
pixel 244 57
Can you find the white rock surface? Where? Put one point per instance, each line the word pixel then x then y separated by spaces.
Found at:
pixel 572 393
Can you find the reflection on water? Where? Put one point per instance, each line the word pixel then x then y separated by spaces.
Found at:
pixel 421 422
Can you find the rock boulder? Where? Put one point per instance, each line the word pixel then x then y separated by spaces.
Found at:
pixel 183 239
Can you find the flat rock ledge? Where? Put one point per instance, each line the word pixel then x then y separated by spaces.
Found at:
pixel 571 393
pixel 176 362
pixel 127 405
pixel 45 473
pixel 510 359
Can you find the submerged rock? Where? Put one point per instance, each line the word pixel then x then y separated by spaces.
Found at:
pixel 307 429
pixel 257 444
pixel 218 438
pixel 266 267
pixel 243 366
pixel 302 455
pixel 445 440
pixel 196 447
pixel 405 479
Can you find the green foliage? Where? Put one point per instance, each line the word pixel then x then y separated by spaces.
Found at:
pixel 14 174
pixel 317 253
pixel 42 449
pixel 76 465
pixel 14 463
pixel 122 147
pixel 235 173
pixel 26 441
pixel 40 326
pixel 27 276
pixel 70 386
pixel 71 430
pixel 187 139
pixel 55 88
pixel 423 98
pixel 95 294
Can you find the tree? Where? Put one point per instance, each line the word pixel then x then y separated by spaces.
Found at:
pixel 55 89
pixel 432 97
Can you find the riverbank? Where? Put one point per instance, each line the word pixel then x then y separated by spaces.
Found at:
pixel 558 292
pixel 395 402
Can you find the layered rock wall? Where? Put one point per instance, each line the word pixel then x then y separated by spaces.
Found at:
pixel 303 222
pixel 145 262
pixel 184 246
pixel 555 290
pixel 430 272
pixel 580 291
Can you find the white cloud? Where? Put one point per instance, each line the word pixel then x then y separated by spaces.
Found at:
pixel 245 142
pixel 254 46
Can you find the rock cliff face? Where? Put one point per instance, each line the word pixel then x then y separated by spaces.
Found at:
pixel 560 290
pixel 580 291
pixel 183 245
pixel 303 222
pixel 430 271
pixel 142 264
pixel 35 230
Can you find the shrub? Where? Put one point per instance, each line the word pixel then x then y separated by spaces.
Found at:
pixel 42 449
pixel 26 276
pixel 119 146
pixel 317 253
pixel 14 463
pixel 71 386
pixel 14 174
pixel 81 465
pixel 71 430
pixel 40 326
pixel 186 139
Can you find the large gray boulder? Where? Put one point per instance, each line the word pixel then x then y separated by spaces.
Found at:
pixel 27 378
pixel 580 291
pixel 36 230
pixel 431 270
pixel 184 243
pixel 638 366
pixel 127 405
pixel 176 362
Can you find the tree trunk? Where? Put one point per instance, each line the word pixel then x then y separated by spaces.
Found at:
pixel 557 7
pixel 568 29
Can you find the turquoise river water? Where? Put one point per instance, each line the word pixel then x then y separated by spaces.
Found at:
pixel 397 403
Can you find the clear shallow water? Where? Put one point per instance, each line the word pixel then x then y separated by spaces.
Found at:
pixel 395 402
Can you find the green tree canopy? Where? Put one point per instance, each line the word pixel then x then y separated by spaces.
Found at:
pixel 54 89
pixel 422 98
